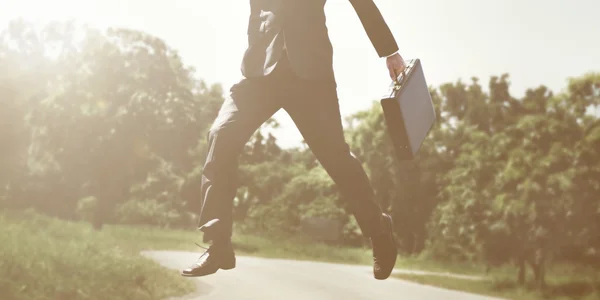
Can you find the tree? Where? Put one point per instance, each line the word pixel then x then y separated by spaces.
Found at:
pixel 512 191
pixel 109 110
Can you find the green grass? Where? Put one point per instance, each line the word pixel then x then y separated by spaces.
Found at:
pixel 296 247
pixel 562 284
pixel 43 258
pixel 299 248
pixel 46 258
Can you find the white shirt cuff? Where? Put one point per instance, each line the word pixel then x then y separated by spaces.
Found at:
pixel 392 54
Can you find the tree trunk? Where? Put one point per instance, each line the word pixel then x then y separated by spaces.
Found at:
pixel 522 270
pixel 541 279
pixel 538 265
pixel 97 220
pixel 595 281
pixel 241 210
pixel 539 275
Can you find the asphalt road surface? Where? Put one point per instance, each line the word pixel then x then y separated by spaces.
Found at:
pixel 269 279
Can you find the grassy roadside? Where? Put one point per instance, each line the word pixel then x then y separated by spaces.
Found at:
pixel 562 284
pixel 299 248
pixel 151 238
pixel 43 258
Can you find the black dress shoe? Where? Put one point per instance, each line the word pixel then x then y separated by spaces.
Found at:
pixel 385 250
pixel 218 256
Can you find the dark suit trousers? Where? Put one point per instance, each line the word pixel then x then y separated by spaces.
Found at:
pixel 313 106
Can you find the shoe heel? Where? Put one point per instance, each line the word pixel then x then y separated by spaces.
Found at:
pixel 228 265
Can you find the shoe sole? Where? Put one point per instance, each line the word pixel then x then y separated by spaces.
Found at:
pixel 194 275
pixel 223 267
pixel 391 227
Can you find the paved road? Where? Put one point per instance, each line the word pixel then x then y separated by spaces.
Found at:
pixel 269 279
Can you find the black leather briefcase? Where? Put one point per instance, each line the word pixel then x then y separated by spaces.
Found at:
pixel 408 111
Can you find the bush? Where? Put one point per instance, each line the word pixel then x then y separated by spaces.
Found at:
pixel 43 258
pixel 149 212
pixel 86 208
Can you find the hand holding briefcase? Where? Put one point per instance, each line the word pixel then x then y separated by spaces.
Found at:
pixel 408 111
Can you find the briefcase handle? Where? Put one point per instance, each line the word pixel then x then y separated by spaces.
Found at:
pixel 397 84
pixel 400 79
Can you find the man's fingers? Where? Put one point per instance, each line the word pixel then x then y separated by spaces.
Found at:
pixel 397 72
pixel 395 68
pixel 393 75
pixel 401 68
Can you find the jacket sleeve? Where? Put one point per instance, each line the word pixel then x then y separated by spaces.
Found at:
pixel 377 30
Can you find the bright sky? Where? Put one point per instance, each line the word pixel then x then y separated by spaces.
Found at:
pixel 536 41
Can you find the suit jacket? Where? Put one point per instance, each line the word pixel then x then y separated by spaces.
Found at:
pixel 300 26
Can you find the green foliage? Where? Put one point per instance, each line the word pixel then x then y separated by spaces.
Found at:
pixel 512 193
pixel 86 207
pixel 150 212
pixel 106 112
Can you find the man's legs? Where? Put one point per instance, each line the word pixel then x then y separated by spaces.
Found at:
pixel 248 106
pixel 316 113
pixel 314 108
pixel 251 102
